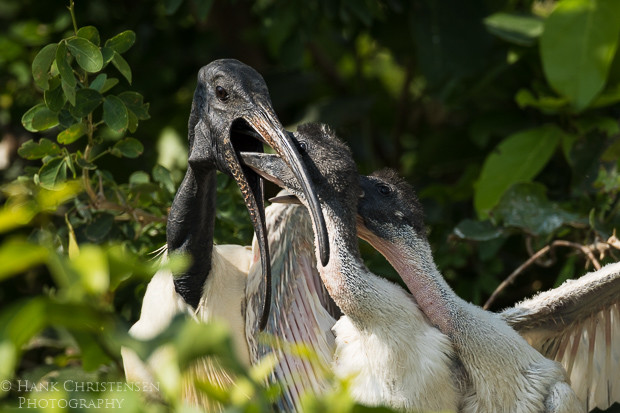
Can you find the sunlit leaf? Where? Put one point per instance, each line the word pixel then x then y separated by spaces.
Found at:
pixel 115 114
pixel 19 255
pixel 518 158
pixel 92 266
pixel 37 150
pixel 87 55
pixel 53 173
pixel 121 64
pixel 122 41
pixel 71 134
pixel 15 216
pixel 29 116
pixel 515 28
pixel 41 65
pixel 578 45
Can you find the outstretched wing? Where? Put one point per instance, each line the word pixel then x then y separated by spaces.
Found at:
pixel 578 324
pixel 301 310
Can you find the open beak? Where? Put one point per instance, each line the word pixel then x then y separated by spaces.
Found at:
pixel 274 134
pixel 248 134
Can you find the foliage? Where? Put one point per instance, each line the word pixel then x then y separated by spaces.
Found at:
pixel 503 114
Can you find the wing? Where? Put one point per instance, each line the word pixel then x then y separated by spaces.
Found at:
pixel 578 324
pixel 301 309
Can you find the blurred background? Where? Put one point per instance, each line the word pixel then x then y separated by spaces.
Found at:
pixel 502 114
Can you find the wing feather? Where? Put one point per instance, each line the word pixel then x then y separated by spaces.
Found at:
pixel 302 311
pixel 578 324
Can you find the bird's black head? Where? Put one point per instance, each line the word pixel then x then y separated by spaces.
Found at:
pixel 232 112
pixel 389 208
pixel 328 161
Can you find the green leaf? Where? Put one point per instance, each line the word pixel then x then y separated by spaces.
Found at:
pixel 121 64
pixel 109 84
pixel 139 178
pixel 162 176
pixel 526 206
pixel 89 33
pixel 115 114
pixel 53 173
pixel 515 28
pixel 612 153
pixel 54 99
pixel 29 115
pixel 69 91
pixel 64 68
pixel 128 147
pixel 37 150
pixel 203 8
pixel 71 134
pixel 19 255
pixel 87 55
pixel 99 227
pixel 172 6
pixel 39 118
pixel 86 100
pixel 132 125
pixel 108 54
pixel 41 65
pixel 134 102
pixel 122 41
pixel 518 158
pixel 98 82
pixel 477 230
pixel 577 47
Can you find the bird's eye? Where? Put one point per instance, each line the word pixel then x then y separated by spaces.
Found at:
pixel 384 189
pixel 303 146
pixel 221 93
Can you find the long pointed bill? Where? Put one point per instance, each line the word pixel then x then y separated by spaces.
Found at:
pixel 251 187
pixel 269 127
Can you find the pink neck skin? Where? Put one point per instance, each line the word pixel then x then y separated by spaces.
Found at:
pixel 415 266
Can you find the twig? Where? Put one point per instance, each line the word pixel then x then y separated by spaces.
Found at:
pixel 585 249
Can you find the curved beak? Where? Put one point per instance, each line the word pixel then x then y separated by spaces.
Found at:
pixel 276 137
pixel 247 133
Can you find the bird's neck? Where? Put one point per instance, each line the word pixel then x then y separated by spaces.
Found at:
pixel 413 261
pixel 345 277
pixel 190 229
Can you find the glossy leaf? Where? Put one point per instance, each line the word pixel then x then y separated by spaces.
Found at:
pixel 515 28
pixel 86 100
pixel 98 82
pixel 89 33
pixel 526 206
pixel 41 65
pixel 71 134
pixel 122 41
pixel 128 147
pixel 43 119
pixel 109 84
pixel 29 115
pixel 121 64
pixel 53 173
pixel 115 114
pixel 37 150
pixel 477 230
pixel 64 68
pixel 518 158
pixel 578 46
pixel 87 55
